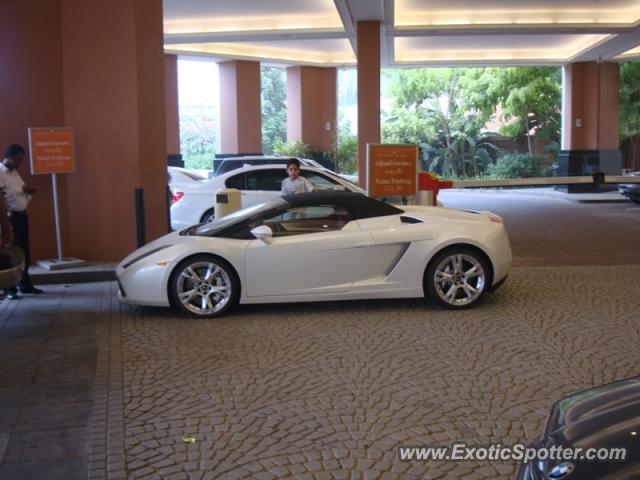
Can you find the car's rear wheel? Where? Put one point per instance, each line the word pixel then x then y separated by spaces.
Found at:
pixel 457 278
pixel 204 286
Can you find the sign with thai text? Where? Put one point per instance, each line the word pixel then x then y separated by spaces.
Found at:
pixel 392 170
pixel 51 150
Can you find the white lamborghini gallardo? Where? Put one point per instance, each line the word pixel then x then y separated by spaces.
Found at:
pixel 327 245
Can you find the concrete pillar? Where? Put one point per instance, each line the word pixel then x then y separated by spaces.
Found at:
pixel 240 113
pixel 368 91
pixel 171 104
pixel 590 120
pixel 113 72
pixel 312 106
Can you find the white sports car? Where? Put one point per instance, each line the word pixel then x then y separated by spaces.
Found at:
pixel 195 202
pixel 321 246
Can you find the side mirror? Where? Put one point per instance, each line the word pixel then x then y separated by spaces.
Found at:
pixel 263 233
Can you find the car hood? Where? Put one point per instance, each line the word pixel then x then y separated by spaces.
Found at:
pixel 601 417
pixel 155 245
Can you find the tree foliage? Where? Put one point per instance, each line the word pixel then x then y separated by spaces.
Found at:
pixel 629 99
pixel 197 136
pixel 446 111
pixel 346 147
pixel 274 108
pixel 527 98
pixel 429 110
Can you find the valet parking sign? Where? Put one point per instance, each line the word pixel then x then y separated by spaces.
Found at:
pixel 392 170
pixel 51 150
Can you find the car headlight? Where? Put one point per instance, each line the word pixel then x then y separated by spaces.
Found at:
pixel 144 255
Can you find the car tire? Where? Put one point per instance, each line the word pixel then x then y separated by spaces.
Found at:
pixel 208 216
pixel 457 278
pixel 204 286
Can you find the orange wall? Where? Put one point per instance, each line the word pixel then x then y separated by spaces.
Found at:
pixel 591 91
pixel 114 98
pixel 30 96
pixel 311 103
pixel 240 112
pixel 171 103
pixel 368 91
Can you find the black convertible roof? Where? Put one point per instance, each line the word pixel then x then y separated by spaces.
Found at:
pixel 358 205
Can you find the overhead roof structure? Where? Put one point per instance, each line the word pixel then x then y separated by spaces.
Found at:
pixel 414 32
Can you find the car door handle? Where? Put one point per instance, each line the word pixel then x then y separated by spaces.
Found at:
pixel 363 244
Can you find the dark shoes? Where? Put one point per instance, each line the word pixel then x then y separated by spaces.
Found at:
pixel 30 289
pixel 11 294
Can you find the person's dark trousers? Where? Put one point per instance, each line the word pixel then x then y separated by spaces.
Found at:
pixel 20 224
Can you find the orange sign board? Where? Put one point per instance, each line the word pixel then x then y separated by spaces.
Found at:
pixel 51 150
pixel 392 170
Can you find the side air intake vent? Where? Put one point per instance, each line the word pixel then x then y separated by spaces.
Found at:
pixel 404 219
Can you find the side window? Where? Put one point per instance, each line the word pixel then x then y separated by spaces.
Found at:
pixel 270 180
pixel 320 182
pixel 237 181
pixel 310 219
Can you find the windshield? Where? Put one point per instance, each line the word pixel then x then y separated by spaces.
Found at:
pixel 208 229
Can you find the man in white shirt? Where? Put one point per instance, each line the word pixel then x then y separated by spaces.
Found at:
pixel 295 183
pixel 17 196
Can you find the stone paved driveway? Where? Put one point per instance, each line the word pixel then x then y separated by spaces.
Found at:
pixel 90 388
pixel 332 390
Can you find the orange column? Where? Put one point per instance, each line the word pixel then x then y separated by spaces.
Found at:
pixel 171 104
pixel 113 64
pixel 590 120
pixel 590 106
pixel 31 96
pixel 240 113
pixel 368 91
pixel 312 106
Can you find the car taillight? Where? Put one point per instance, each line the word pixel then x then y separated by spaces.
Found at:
pixel 176 197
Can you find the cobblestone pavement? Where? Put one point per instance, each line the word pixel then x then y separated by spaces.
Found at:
pixel 332 390
pixel 90 388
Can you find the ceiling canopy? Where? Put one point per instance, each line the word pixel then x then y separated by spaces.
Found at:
pixel 414 32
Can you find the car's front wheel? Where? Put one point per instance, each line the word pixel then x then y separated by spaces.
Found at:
pixel 204 286
pixel 208 216
pixel 457 278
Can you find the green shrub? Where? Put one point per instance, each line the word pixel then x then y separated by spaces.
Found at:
pixel 347 155
pixel 519 165
pixel 295 148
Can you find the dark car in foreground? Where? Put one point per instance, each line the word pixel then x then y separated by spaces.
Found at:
pixel 602 418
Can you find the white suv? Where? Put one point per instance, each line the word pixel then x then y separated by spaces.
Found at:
pixel 258 184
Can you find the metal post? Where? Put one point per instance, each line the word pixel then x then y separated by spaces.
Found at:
pixel 56 213
pixel 140 228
